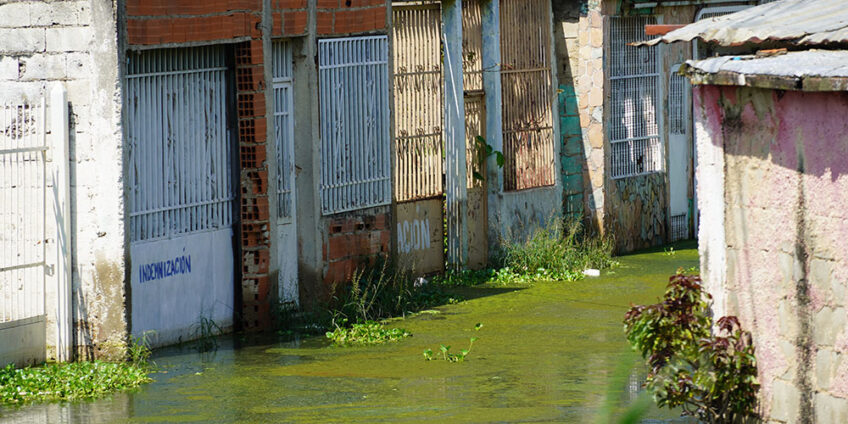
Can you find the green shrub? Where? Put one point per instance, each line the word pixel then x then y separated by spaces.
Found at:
pixel 560 250
pixel 710 375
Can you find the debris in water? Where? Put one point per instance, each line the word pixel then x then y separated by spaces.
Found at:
pixel 591 272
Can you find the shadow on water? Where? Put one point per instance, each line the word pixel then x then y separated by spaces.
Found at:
pixel 551 352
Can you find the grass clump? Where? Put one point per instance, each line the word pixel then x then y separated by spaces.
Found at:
pixel 559 251
pixel 385 290
pixel 77 380
pixel 367 333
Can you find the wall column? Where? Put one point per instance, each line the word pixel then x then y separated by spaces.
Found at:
pixel 455 173
pixel 494 115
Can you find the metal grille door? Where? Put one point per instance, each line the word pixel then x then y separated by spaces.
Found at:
pixel 634 88
pixel 23 189
pixel 417 73
pixel 678 151
pixel 527 94
pixel 282 70
pixel 180 177
pixel 354 113
pixel 181 190
pixel 284 127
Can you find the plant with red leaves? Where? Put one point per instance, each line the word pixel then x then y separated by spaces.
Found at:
pixel 709 373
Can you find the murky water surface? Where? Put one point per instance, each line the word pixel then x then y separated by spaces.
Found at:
pixel 547 353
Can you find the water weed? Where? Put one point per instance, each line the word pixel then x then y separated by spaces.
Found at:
pixel 69 382
pixel 452 357
pixel 367 333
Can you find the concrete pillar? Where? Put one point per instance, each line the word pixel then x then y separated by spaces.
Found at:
pixel 494 114
pixel 456 192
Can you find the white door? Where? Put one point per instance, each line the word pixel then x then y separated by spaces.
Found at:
pixel 181 190
pixel 284 142
pixel 679 158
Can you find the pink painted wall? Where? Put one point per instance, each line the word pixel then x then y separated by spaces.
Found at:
pixel 784 184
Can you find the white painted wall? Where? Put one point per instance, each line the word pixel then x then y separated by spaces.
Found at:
pixel 199 285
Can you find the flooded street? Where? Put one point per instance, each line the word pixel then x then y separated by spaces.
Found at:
pixel 546 353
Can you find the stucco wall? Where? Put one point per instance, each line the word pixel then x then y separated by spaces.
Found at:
pixel 785 187
pixel 74 43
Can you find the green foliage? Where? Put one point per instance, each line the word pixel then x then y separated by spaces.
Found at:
pixel 710 375
pixel 483 151
pixel 453 357
pixel 559 251
pixel 68 382
pixel 367 333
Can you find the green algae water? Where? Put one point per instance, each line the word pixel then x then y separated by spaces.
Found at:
pixel 551 352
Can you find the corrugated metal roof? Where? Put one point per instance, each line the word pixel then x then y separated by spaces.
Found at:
pixel 807 22
pixel 809 70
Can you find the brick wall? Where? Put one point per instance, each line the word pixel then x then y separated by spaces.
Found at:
pixel 353 240
pixel 253 167
pixel 151 22
pixel 350 16
pixel 289 17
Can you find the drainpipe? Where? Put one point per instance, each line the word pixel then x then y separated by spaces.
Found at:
pixel 456 192
pixel 494 120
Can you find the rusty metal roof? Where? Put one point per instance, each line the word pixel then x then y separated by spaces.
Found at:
pixel 802 22
pixel 808 70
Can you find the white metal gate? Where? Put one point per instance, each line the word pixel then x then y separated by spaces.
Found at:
pixel 23 199
pixel 354 97
pixel 282 69
pixel 678 155
pixel 181 189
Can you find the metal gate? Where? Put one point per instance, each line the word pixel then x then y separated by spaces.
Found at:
pixel 678 155
pixel 23 201
pixel 181 190
pixel 527 94
pixel 418 137
pixel 282 69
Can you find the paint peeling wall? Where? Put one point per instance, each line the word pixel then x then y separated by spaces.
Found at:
pixel 785 187
pixel 74 43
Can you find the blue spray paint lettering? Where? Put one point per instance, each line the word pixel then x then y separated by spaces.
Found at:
pixel 164 269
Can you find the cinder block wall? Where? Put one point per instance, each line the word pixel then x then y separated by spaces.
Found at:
pixel 774 233
pixel 74 44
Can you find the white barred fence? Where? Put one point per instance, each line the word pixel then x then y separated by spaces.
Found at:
pixel 34 236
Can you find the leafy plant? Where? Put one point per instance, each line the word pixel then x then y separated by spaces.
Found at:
pixel 483 151
pixel 451 357
pixel 367 333
pixel 68 382
pixel 710 375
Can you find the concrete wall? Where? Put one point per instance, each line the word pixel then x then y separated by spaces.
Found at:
pixel 74 43
pixel 773 177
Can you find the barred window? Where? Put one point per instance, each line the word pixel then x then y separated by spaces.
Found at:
pixel 634 84
pixel 354 113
